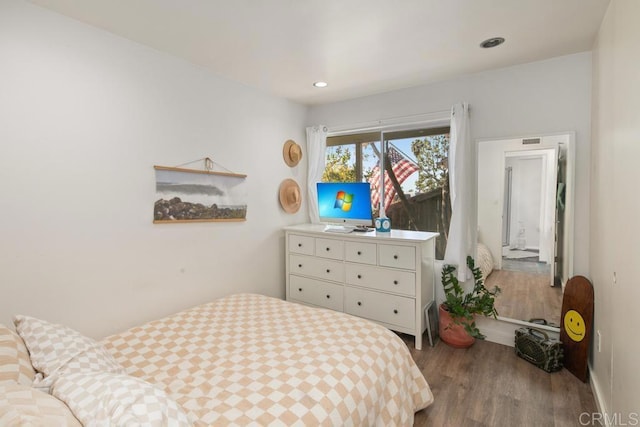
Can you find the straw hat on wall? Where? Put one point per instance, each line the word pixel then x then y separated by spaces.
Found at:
pixel 290 196
pixel 292 153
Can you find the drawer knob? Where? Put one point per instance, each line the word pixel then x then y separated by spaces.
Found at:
pixel 299 245
pixel 328 249
pixel 299 289
pixel 395 282
pixel 359 253
pixel 299 265
pixel 395 311
pixel 395 257
pixel 359 303
pixel 359 276
pixel 328 296
pixel 328 271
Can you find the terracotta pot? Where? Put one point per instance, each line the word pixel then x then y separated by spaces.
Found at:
pixel 452 333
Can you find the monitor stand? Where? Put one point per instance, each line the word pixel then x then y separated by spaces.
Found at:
pixel 331 228
pixel 363 229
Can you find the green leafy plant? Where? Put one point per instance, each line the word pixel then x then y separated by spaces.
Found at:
pixel 463 306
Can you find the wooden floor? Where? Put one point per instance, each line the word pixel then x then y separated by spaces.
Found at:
pixel 488 385
pixel 526 296
pixel 530 266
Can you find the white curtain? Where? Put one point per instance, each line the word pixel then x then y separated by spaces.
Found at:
pixel 462 232
pixel 316 147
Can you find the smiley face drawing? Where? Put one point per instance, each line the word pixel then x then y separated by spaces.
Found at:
pixel 574 325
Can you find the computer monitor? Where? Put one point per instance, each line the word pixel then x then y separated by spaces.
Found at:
pixel 345 203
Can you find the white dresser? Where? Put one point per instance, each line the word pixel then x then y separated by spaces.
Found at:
pixel 387 278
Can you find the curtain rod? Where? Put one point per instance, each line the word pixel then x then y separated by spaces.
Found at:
pixel 393 122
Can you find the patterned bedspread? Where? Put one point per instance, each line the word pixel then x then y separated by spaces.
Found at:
pixel 248 359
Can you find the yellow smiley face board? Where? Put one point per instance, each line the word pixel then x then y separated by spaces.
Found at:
pixel 576 324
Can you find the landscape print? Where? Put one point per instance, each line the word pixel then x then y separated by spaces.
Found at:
pixel 185 195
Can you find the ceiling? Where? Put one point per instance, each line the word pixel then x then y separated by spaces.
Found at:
pixel 360 47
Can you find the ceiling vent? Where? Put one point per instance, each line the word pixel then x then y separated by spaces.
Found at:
pixel 529 141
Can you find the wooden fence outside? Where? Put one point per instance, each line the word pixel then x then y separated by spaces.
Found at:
pixel 430 211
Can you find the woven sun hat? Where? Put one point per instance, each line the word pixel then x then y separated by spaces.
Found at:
pixel 291 152
pixel 290 197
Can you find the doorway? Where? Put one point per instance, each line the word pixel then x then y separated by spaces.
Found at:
pixel 528 218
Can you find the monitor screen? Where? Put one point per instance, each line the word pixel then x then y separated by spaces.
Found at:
pixel 345 203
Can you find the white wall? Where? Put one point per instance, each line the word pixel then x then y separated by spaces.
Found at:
pixel 84 116
pixel 615 208
pixel 491 155
pixel 525 200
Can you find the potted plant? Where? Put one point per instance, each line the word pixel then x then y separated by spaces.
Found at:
pixel 457 313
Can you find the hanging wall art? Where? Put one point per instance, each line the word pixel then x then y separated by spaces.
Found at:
pixel 190 195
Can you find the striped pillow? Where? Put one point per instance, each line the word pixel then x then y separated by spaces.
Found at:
pixel 15 365
pixel 485 260
pixel 56 350
pixel 22 405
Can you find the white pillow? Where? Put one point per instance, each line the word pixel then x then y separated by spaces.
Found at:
pixel 56 350
pixel 106 399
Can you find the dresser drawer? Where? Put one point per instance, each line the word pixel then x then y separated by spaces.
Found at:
pixel 390 309
pixel 327 248
pixel 315 292
pixel 301 244
pixel 396 281
pixel 316 267
pixel 397 256
pixel 364 253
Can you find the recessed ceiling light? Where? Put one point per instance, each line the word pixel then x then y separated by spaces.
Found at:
pixel 492 42
pixel 320 84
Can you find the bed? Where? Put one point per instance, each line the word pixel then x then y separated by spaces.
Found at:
pixel 245 359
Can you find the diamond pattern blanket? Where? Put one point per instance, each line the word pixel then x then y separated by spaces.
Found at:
pixel 247 359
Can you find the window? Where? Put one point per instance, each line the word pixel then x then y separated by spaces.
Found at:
pixel 416 178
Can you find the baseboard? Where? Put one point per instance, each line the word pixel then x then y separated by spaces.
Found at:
pixel 598 396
